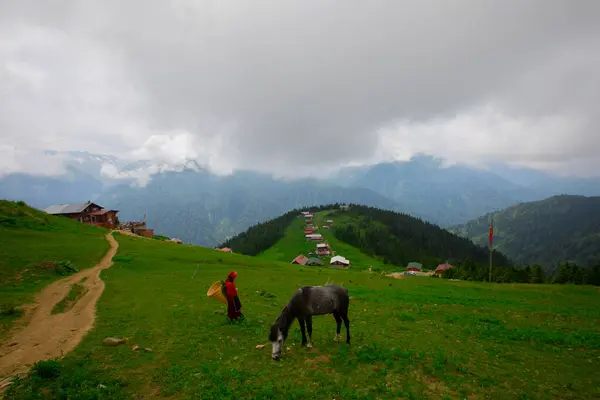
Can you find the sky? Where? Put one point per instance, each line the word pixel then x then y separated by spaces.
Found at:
pixel 296 87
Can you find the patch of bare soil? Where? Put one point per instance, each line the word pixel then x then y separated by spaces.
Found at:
pixel 47 336
pixel 396 275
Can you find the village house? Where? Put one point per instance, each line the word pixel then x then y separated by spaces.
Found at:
pixel 308 231
pixel 301 260
pixel 138 228
pixel 225 250
pixel 313 262
pixel 88 213
pixel 329 222
pixel 414 266
pixel 439 270
pixel 315 237
pixel 323 249
pixel 339 260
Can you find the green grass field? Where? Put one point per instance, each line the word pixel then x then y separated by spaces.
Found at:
pixel 33 244
pixel 413 338
pixel 294 243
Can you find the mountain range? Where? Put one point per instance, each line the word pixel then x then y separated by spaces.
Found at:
pixel 189 202
pixel 547 232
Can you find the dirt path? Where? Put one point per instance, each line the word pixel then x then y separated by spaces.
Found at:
pixel 47 336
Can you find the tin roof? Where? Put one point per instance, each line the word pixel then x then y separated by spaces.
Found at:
pixel 67 208
pixel 443 267
pixel 314 260
pixel 339 259
pixel 301 259
pixel 415 265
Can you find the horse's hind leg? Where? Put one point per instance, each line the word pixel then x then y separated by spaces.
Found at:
pixel 309 329
pixel 338 320
pixel 347 323
pixel 303 330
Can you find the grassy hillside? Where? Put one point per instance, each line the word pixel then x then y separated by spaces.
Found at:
pixel 414 338
pixel 371 236
pixel 547 232
pixel 294 243
pixel 33 246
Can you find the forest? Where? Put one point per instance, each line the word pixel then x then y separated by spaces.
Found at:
pixel 401 238
pixel 567 273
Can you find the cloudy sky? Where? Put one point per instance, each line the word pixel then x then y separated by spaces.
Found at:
pixel 292 86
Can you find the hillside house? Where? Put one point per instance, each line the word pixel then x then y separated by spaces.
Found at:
pixel 137 227
pixel 323 249
pixel 315 237
pixel 339 260
pixel 325 226
pixel 314 262
pixel 225 250
pixel 414 266
pixel 88 213
pixel 308 231
pixel 308 217
pixel 439 270
pixel 329 222
pixel 300 260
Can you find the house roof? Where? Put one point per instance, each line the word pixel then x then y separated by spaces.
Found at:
pixel 314 235
pixel 322 245
pixel 414 265
pixel 443 267
pixel 225 249
pixel 314 260
pixel 339 259
pixel 301 259
pixel 68 208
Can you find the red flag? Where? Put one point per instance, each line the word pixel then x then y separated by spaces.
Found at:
pixel 491 232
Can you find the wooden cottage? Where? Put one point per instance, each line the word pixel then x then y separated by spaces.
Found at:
pixel 414 266
pixel 314 262
pixel 88 213
pixel 301 260
pixel 339 260
pixel 439 270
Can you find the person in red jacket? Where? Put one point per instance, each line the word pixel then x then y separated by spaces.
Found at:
pixel 233 301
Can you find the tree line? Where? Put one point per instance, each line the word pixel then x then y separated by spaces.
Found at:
pixel 567 273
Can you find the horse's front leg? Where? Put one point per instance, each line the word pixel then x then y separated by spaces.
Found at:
pixel 303 330
pixel 309 328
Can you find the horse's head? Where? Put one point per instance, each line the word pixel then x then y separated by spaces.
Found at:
pixel 277 338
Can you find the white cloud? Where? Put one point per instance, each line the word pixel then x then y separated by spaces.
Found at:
pixel 33 163
pixel 294 88
pixel 484 135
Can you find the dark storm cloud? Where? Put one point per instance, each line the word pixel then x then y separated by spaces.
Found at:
pixel 278 85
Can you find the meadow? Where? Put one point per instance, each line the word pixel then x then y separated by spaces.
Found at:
pixel 34 245
pixel 412 338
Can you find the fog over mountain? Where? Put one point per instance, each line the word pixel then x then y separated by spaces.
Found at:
pixel 300 88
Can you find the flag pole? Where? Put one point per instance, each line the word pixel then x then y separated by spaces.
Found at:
pixel 491 239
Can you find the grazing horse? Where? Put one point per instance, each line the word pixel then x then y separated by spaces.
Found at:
pixel 306 302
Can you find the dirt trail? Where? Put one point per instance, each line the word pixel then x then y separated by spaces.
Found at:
pixel 47 336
